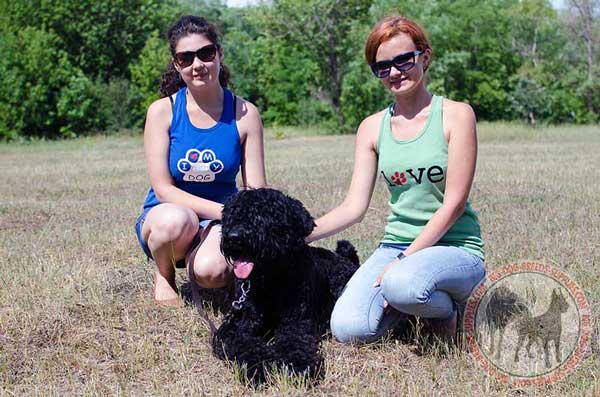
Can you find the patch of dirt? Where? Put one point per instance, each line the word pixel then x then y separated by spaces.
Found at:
pixel 24 220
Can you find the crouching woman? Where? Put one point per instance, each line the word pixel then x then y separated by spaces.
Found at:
pixel 424 148
pixel 196 139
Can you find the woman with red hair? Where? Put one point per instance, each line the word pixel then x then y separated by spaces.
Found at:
pixel 424 148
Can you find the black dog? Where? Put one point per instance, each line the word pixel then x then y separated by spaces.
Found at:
pixel 285 290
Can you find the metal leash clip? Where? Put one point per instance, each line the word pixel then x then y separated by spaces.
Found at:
pixel 237 304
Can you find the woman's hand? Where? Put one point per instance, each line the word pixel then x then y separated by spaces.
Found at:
pixel 385 269
pixel 380 277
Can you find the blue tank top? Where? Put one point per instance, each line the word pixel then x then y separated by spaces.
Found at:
pixel 203 161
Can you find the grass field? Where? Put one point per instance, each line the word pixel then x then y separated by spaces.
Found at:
pixel 76 314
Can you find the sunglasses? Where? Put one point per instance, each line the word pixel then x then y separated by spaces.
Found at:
pixel 205 54
pixel 403 62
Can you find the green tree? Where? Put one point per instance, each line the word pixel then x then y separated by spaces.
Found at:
pixel 100 37
pixel 362 95
pixel 241 55
pixel 529 99
pixel 473 53
pixel 118 104
pixel 215 11
pixel 68 67
pixel 71 54
pixel 146 72
pixel 77 107
pixel 324 28
pixel 34 72
pixel 536 40
pixel 583 19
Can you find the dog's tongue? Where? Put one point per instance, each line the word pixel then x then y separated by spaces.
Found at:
pixel 242 268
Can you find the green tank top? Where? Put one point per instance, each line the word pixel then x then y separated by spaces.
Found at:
pixel 415 173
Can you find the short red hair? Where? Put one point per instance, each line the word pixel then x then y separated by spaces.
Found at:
pixel 392 26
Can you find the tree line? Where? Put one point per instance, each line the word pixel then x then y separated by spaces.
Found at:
pixel 70 67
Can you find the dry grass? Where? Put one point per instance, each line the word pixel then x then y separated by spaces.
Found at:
pixel 76 315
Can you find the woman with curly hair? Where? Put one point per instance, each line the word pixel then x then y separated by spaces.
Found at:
pixel 197 137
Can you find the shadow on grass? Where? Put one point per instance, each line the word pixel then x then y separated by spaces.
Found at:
pixel 126 283
pixel 217 300
pixel 413 332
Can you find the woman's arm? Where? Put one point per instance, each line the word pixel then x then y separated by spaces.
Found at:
pixel 156 149
pixel 253 154
pixel 353 208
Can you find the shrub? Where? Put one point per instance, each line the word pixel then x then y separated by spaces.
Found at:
pixel 34 72
pixel 362 95
pixel 146 72
pixel 118 105
pixel 78 108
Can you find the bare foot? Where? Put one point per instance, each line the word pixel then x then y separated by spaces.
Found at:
pixel 165 294
pixel 176 302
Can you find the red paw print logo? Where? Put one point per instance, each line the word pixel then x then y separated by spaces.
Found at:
pixel 399 178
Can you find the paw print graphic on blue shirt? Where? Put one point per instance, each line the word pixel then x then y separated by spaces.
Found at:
pixel 199 166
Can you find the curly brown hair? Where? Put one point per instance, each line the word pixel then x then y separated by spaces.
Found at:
pixel 171 80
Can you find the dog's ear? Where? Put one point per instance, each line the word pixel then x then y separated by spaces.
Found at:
pixel 308 222
pixel 305 221
pixel 309 225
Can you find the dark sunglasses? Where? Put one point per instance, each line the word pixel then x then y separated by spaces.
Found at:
pixel 205 54
pixel 403 62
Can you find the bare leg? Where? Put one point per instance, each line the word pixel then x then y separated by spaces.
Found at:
pixel 169 230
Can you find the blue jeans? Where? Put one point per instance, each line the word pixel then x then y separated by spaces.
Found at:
pixel 427 284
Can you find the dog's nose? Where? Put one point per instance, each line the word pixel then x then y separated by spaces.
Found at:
pixel 234 237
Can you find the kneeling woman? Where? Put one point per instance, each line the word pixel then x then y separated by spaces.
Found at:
pixel 196 139
pixel 424 148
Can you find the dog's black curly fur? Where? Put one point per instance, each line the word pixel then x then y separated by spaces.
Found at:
pixel 292 287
